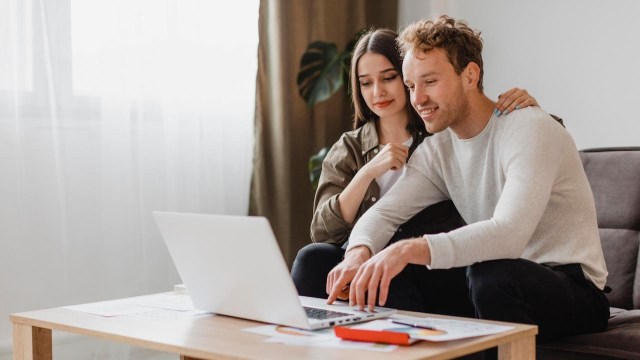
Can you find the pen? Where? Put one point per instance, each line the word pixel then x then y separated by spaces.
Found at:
pixel 413 324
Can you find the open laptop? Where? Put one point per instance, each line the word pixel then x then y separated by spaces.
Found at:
pixel 232 265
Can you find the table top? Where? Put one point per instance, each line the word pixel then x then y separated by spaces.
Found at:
pixel 215 336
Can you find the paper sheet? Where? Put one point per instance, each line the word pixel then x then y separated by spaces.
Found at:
pixel 158 305
pixel 321 338
pixel 442 329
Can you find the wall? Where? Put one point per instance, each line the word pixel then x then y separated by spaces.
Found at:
pixel 578 58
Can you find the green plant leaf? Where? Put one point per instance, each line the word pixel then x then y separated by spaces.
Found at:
pixel 321 72
pixel 315 167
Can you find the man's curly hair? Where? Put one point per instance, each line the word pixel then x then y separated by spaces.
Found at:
pixel 461 43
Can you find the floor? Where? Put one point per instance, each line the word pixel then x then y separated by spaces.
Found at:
pixel 72 347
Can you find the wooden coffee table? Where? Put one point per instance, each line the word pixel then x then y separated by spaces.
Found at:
pixel 216 337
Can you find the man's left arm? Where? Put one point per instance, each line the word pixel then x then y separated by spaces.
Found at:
pixel 414 191
pixel 533 153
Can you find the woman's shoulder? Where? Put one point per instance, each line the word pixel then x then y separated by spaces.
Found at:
pixel 360 140
pixel 351 148
pixel 347 146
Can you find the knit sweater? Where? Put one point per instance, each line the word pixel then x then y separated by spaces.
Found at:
pixel 520 186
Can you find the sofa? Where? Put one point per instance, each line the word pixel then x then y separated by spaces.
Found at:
pixel 614 176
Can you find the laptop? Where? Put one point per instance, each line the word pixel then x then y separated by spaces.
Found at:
pixel 232 265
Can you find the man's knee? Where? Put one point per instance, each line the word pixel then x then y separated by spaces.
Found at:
pixel 490 279
pixel 494 274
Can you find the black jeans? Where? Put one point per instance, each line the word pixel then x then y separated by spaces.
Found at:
pixel 559 299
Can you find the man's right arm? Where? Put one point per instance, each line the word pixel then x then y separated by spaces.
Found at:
pixel 413 192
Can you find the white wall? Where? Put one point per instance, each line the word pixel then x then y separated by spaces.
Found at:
pixel 579 58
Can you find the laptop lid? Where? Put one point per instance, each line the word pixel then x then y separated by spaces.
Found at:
pixel 232 265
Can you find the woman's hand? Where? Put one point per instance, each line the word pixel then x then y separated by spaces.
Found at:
pixel 514 99
pixel 392 157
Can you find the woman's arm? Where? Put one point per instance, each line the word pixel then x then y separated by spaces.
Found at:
pixel 392 157
pixel 342 188
pixel 338 169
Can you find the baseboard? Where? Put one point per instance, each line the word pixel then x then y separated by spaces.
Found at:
pixel 71 346
pixel 6 350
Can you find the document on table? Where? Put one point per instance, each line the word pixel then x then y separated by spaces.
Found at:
pixel 166 305
pixel 432 328
pixel 321 338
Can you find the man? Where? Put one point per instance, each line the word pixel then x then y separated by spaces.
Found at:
pixel 531 248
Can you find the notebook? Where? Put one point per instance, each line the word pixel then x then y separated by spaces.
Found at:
pixel 232 265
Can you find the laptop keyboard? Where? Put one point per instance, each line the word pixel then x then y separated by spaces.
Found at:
pixel 322 314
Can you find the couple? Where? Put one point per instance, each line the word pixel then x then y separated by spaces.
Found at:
pixel 524 246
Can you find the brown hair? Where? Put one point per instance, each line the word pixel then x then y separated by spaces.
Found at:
pixel 461 43
pixel 383 42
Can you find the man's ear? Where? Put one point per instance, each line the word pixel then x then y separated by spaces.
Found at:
pixel 471 75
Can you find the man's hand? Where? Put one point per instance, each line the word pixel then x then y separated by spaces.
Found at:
pixel 340 276
pixel 384 266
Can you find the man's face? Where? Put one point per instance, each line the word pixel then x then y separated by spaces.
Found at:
pixel 435 89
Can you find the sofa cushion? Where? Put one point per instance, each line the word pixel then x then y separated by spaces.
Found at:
pixel 614 176
pixel 621 340
pixel 620 247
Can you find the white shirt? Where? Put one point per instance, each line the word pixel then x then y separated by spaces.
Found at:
pixel 389 178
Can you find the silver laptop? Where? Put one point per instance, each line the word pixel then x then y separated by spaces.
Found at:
pixel 232 265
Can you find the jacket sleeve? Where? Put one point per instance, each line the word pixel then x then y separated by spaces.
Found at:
pixel 338 169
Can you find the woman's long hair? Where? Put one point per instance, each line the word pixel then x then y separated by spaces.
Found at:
pixel 383 42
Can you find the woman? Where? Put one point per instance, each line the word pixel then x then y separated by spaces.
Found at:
pixel 364 164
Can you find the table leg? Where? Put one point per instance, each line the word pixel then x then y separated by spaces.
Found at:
pixel 523 349
pixel 31 343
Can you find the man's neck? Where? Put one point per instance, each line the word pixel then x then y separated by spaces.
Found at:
pixel 478 116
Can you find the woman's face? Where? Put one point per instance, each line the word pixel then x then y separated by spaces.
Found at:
pixel 381 85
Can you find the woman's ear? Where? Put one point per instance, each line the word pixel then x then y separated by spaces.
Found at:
pixel 471 75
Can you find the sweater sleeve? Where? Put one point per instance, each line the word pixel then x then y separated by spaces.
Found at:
pixel 531 154
pixel 413 192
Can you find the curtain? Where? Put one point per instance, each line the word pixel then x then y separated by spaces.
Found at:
pixel 287 131
pixel 110 110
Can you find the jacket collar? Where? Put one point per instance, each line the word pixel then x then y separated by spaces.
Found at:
pixel 369 136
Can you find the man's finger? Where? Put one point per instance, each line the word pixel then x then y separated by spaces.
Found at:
pixel 356 292
pixel 344 293
pixel 372 288
pixel 385 281
pixel 336 289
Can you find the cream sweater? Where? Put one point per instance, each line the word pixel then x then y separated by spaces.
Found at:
pixel 520 186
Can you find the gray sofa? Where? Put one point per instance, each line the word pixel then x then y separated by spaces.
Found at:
pixel 614 175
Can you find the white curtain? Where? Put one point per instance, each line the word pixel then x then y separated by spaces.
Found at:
pixel 110 110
